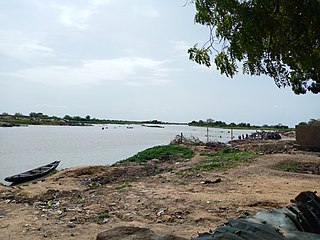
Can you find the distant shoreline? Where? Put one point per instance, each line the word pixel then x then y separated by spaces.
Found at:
pixel 18 120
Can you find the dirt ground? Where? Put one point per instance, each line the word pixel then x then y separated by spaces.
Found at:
pixel 165 196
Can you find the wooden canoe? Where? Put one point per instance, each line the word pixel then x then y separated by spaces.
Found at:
pixel 33 174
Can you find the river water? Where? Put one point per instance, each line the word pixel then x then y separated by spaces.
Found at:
pixel 24 148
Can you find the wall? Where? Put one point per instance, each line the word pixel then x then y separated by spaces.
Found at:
pixel 308 137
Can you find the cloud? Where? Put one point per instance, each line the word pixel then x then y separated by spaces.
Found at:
pixel 17 45
pixel 101 2
pixel 78 16
pixel 144 11
pixel 71 16
pixel 180 48
pixel 133 71
pixel 181 45
pixel 47 106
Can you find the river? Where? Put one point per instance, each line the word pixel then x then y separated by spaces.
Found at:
pixel 24 148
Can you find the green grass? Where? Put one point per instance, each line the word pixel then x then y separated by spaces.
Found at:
pixel 99 217
pixel 292 166
pixel 93 186
pixel 224 159
pixel 161 152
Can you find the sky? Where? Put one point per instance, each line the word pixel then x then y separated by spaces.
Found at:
pixel 127 60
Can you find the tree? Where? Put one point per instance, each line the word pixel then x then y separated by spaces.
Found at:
pixel 38 115
pixel 67 117
pixel 210 120
pixel 33 114
pixel 277 38
pixel 314 122
pixel 232 124
pixel 76 118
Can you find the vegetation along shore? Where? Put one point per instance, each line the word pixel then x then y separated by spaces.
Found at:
pixel 18 119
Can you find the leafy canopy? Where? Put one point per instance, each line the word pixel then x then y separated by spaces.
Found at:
pixel 277 38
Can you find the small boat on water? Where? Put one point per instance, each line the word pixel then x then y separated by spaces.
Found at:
pixel 33 174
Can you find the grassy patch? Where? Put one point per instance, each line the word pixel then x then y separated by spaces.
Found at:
pixel 161 152
pixel 224 159
pixel 93 186
pixel 100 217
pixel 291 166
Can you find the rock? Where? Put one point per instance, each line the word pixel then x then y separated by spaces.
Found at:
pixel 2 213
pixel 211 181
pixel 161 211
pixel 71 225
pixel 134 233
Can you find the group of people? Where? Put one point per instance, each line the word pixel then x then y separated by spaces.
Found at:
pixel 243 136
pixel 263 135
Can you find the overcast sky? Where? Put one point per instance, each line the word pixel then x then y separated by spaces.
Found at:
pixel 127 60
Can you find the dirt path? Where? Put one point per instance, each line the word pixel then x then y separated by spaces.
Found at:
pixel 79 203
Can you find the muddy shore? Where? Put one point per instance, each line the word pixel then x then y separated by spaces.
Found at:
pixel 164 196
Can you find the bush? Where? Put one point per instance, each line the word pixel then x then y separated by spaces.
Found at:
pixel 161 152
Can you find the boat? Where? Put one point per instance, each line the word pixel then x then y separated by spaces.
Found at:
pixel 33 174
pixel 153 126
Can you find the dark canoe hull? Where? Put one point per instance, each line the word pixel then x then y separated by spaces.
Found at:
pixel 33 174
